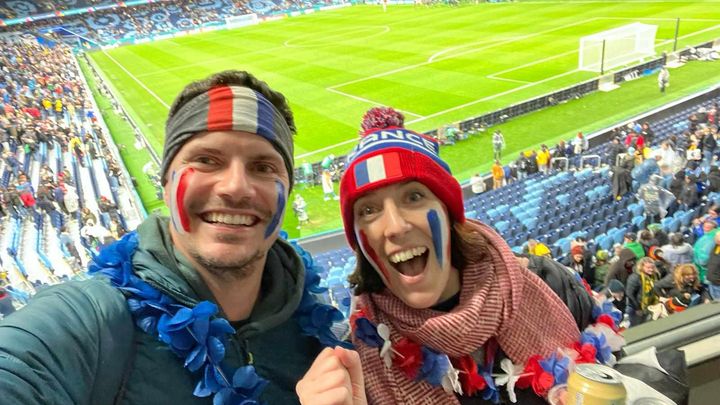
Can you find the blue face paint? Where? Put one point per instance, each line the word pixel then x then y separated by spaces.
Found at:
pixel 438 231
pixel 280 209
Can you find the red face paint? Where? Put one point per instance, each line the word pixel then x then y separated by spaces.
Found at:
pixel 372 256
pixel 179 184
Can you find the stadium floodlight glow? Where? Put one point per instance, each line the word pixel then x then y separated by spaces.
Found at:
pixel 616 47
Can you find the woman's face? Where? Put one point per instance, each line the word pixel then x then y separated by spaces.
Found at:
pixel 404 231
pixel 648 268
pixel 688 278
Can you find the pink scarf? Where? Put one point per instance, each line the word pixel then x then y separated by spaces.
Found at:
pixel 498 298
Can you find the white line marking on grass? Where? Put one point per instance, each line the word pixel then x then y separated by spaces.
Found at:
pixel 317 41
pixel 491 77
pixel 152 93
pixel 316 151
pixel 410 67
pixel 367 100
pixel 461 106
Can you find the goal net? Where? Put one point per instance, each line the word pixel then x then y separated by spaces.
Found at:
pixel 616 47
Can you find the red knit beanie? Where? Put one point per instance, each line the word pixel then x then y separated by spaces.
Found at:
pixel 388 154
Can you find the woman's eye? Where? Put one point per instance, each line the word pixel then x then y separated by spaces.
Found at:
pixel 365 211
pixel 415 196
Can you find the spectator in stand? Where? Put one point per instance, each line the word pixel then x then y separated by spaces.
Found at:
pixel 639 290
pixel 713 269
pixel 498 174
pixel 677 251
pixel 704 245
pixel 582 265
pixel 630 242
pixel 635 141
pixel 713 179
pixel 523 166
pixel 656 199
pixel 689 196
pixel 477 184
pixel 543 159
pixel 86 216
pixel 385 222
pixel 668 156
pixel 601 269
pixel 693 154
pixel 538 248
pixel 616 148
pixel 708 144
pixel 647 133
pixel 580 144
pixel 623 267
pixel 622 178
pixel 683 281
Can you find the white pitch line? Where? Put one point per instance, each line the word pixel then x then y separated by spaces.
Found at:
pixel 152 93
pixel 491 77
pixel 409 67
pixel 367 100
pixel 461 106
pixel 316 151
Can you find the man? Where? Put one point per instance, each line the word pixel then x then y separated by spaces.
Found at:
pixel 663 79
pixel 543 159
pixel 150 334
pixel 498 141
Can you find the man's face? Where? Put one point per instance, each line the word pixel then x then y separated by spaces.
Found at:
pixel 227 193
pixel 578 257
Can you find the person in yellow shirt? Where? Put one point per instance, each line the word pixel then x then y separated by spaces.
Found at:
pixel 543 159
pixel 58 107
pixel 498 174
pixel 538 248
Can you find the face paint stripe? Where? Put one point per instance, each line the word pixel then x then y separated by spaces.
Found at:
pixel 173 205
pixel 436 229
pixel 182 188
pixel 280 187
pixel 179 184
pixel 373 257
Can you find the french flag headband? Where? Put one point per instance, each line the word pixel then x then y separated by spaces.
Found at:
pixel 228 108
pixel 396 155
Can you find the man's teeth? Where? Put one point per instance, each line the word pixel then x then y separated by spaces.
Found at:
pixel 228 219
pixel 406 255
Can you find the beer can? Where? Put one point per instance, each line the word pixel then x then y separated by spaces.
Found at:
pixel 595 384
pixel 651 401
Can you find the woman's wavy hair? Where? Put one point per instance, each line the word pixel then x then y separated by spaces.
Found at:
pixel 683 270
pixel 466 246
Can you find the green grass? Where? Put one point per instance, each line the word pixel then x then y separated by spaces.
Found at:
pixel 439 65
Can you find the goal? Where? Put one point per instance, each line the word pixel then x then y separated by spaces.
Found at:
pixel 616 47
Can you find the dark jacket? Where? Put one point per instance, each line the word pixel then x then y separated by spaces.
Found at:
pixel 618 270
pixel 665 287
pixel 562 280
pixel 713 268
pixel 76 343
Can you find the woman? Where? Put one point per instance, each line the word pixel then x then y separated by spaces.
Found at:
pixel 639 290
pixel 442 303
pixel 684 283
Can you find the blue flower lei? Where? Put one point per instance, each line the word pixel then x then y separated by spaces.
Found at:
pixel 199 337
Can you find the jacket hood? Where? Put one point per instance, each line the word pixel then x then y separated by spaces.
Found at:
pixel 626 255
pixel 160 264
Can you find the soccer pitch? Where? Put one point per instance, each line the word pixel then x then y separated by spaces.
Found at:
pixel 438 65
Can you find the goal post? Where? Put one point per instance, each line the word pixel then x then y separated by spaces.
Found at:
pixel 616 47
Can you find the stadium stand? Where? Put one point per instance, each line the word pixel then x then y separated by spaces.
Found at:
pixel 107 23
